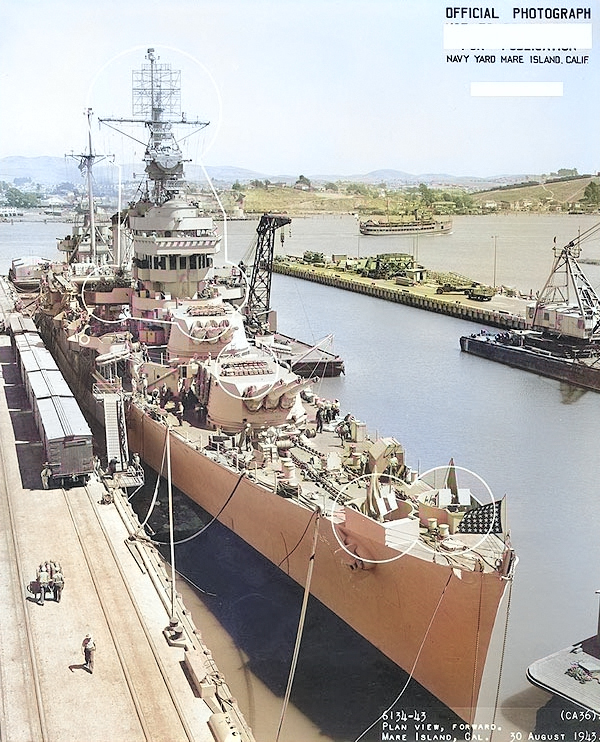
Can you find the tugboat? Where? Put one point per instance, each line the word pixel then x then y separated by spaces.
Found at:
pixel 418 565
pixel 563 338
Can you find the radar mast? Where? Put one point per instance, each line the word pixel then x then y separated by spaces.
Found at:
pixel 157 104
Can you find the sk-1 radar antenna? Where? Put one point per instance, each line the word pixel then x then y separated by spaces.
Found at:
pixel 157 105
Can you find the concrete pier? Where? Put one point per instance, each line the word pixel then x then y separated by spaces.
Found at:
pixel 502 311
pixel 150 682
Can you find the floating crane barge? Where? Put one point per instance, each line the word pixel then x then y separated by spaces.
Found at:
pixel 562 340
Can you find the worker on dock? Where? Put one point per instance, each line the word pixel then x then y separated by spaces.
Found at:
pixel 45 475
pixel 43 580
pixel 58 582
pixel 88 647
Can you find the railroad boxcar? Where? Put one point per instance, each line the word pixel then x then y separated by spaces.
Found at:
pixel 65 434
pixel 66 438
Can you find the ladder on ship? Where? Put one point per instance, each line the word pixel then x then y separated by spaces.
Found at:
pixel 117 449
pixel 126 473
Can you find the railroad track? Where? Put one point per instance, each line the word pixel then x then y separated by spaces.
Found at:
pixel 130 695
pixel 19 676
pixel 156 706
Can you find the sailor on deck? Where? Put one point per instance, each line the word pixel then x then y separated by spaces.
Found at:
pixel 245 441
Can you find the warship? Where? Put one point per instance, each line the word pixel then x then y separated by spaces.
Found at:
pixel 562 339
pixel 172 353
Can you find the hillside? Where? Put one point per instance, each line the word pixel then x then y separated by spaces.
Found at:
pixel 53 170
pixel 297 203
pixel 561 193
pixel 378 193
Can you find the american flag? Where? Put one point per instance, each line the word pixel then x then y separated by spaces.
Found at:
pixel 484 519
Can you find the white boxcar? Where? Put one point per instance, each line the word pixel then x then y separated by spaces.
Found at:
pixel 66 437
pixel 65 434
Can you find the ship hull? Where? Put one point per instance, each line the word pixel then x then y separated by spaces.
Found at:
pixel 538 362
pixel 431 620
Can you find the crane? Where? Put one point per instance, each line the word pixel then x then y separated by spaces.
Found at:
pixel 259 288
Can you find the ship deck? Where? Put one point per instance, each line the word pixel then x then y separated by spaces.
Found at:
pixel 329 490
pixel 572 673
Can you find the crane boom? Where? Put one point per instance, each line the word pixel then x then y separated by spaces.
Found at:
pixel 259 290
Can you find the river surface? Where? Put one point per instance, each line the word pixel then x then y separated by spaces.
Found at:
pixel 528 437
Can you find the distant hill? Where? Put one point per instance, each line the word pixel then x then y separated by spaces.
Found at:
pixel 568 191
pixel 43 170
pixel 49 171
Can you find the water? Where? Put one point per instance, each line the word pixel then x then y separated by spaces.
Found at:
pixel 528 437
pixel 21 239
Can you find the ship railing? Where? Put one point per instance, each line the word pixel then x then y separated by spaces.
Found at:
pixel 158 354
pixel 106 386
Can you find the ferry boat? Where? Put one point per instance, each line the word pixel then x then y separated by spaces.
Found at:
pixel 415 226
pixel 562 340
pixel 160 351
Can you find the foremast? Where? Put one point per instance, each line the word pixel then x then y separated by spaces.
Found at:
pixel 157 105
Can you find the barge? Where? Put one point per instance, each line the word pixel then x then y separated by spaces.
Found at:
pixel 562 337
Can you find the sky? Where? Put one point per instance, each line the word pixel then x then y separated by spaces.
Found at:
pixel 313 87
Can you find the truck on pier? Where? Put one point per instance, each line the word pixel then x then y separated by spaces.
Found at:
pixel 475 291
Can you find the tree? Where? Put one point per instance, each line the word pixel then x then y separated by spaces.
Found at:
pixel 427 195
pixel 14 197
pixel 592 193
pixel 65 188
pixel 358 189
pixel 303 180
pixel 463 201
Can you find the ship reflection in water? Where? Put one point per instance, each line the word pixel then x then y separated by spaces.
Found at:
pixel 342 685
